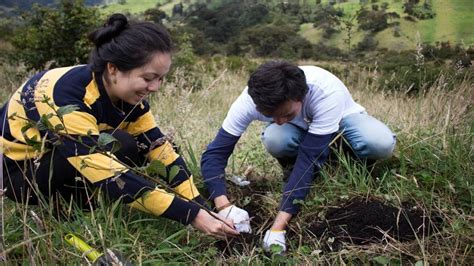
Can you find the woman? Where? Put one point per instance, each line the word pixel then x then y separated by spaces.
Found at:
pixel 54 120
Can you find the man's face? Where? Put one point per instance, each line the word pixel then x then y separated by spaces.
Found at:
pixel 286 112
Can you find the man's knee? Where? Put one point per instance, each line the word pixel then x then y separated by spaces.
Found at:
pixel 282 140
pixel 277 147
pixel 376 148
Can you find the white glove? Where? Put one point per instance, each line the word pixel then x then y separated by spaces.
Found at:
pixel 274 237
pixel 239 216
pixel 239 181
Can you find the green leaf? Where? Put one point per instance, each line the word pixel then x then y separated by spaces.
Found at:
pixel 382 260
pixel 43 124
pixel 32 141
pixel 105 139
pixel 58 127
pixel 156 167
pixel 67 109
pixel 276 249
pixel 83 164
pixel 92 149
pixel 173 173
pixel 146 194
pixel 419 263
pixel 116 147
pixel 26 127
pixel 12 116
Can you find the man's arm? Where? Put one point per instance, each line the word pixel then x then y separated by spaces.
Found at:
pixel 213 163
pixel 313 152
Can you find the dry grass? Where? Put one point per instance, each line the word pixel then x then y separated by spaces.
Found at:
pixel 194 116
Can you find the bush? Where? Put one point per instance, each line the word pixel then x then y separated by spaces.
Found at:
pixel 401 72
pixel 155 15
pixel 57 37
pixel 226 21
pixel 424 11
pixel 369 43
pixel 328 19
pixel 322 51
pixel 375 20
pixel 274 41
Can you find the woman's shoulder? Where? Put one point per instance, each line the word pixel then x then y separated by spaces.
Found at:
pixel 70 83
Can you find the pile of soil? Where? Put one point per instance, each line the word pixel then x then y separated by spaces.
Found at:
pixel 363 221
pixel 358 221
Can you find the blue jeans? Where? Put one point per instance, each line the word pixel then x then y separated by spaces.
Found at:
pixel 368 137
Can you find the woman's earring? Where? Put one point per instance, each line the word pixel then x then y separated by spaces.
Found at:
pixel 114 81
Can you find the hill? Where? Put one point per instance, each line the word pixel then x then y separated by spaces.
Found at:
pixel 452 21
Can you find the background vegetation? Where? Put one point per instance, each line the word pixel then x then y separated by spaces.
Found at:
pixel 407 62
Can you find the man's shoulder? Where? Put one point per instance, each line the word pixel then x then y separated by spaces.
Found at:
pixel 314 73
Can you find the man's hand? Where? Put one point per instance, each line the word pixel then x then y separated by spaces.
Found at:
pixel 239 216
pixel 272 238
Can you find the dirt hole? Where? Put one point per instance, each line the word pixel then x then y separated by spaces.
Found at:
pixel 357 221
pixel 362 221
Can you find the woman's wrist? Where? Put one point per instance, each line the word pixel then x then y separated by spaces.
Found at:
pixel 221 202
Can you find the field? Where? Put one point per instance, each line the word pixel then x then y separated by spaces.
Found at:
pixel 415 208
pixel 452 23
pixel 427 186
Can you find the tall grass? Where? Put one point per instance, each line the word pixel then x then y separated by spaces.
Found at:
pixel 433 167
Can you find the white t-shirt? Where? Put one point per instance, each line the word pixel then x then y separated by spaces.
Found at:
pixel 325 104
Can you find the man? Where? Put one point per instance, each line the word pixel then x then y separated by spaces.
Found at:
pixel 306 107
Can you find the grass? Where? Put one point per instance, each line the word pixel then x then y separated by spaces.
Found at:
pixel 132 7
pixel 451 23
pixel 432 167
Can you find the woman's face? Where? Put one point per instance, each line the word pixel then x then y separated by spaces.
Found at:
pixel 135 85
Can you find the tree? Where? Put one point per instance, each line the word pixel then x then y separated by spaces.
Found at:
pixel 155 15
pixel 57 37
pixel 274 41
pixel 375 20
pixel 226 21
pixel 328 19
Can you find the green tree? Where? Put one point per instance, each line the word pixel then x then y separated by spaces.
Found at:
pixel 155 15
pixel 327 18
pixel 55 37
pixel 275 41
pixel 375 20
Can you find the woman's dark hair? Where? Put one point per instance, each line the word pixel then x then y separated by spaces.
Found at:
pixel 125 44
pixel 274 83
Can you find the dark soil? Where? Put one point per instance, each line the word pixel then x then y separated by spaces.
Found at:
pixel 358 221
pixel 250 198
pixel 362 221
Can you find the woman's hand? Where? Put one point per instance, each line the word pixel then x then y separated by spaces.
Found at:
pixel 209 225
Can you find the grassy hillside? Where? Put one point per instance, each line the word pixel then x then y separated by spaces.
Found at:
pixel 453 22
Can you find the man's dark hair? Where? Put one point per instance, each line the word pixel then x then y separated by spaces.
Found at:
pixel 125 44
pixel 274 83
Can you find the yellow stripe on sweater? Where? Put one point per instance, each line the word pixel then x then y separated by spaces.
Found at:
pixel 155 202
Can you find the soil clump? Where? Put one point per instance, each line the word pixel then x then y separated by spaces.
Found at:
pixel 362 221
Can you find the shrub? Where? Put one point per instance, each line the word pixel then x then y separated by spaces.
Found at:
pixel 423 11
pixel 274 41
pixel 369 43
pixel 55 36
pixel 400 71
